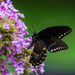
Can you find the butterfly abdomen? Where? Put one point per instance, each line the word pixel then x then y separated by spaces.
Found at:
pixel 38 58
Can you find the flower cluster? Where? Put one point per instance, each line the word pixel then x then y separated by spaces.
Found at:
pixel 13 46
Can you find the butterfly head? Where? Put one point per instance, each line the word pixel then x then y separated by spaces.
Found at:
pixel 35 35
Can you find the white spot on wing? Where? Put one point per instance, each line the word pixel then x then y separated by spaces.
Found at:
pixel 51 50
pixel 53 44
pixel 59 37
pixel 59 47
pixel 64 33
pixel 54 49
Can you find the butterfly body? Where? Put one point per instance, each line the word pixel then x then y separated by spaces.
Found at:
pixel 48 39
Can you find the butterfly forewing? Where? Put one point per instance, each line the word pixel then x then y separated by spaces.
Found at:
pixel 57 31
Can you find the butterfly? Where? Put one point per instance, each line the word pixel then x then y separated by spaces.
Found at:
pixel 47 39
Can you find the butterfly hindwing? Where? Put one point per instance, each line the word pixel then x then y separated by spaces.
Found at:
pixel 39 53
pixel 57 45
pixel 53 44
pixel 39 45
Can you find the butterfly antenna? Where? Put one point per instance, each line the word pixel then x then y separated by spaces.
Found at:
pixel 37 25
pixel 33 27
pixel 29 30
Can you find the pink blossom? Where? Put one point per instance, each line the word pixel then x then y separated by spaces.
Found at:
pixel 4 6
pixel 2 67
pixel 32 68
pixel 16 47
pixel 1 51
pixel 6 25
pixel 20 15
pixel 42 69
pixel 2 15
pixel 0 36
pixel 6 72
pixel 19 70
pixel 42 64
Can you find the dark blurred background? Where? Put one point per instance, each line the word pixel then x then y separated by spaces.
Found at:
pixel 52 13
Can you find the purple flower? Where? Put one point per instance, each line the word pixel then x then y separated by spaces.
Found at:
pixel 14 34
pixel 3 61
pixel 26 68
pixel 6 41
pixel 7 1
pixel 14 63
pixel 7 47
pixel 11 57
pixel 20 64
pixel 2 67
pixel 1 51
pixel 27 47
pixel 6 72
pixel 17 50
pixel 14 73
pixel 42 69
pixel 14 52
pixel 20 15
pixel 42 64
pixel 6 25
pixel 0 36
pixel 19 70
pixel 32 68
pixel 4 6
pixel 1 15
pixel 27 40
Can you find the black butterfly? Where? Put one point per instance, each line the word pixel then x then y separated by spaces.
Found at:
pixel 48 39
